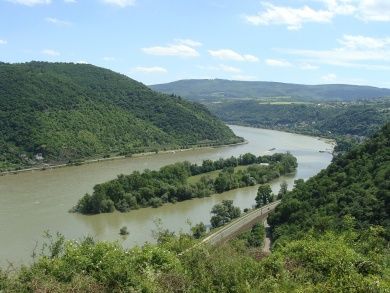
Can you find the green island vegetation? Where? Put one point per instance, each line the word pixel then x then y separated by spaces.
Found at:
pixel 183 181
pixel 330 234
pixel 55 113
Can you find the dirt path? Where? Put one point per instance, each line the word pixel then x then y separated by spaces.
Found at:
pixel 267 239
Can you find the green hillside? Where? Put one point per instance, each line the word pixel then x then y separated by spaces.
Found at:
pixel 76 111
pixel 215 89
pixel 356 184
pixel 330 119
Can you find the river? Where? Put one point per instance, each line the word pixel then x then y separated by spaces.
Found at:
pixel 33 202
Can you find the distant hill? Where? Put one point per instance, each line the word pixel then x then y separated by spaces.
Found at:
pixel 75 111
pixel 324 119
pixel 212 89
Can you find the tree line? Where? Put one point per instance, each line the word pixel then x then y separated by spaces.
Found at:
pixel 171 184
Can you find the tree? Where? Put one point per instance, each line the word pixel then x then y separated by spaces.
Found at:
pixel 199 230
pixel 248 159
pixel 283 190
pixel 224 213
pixel 256 236
pixel 264 195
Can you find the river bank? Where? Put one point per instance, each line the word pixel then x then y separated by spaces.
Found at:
pixel 103 159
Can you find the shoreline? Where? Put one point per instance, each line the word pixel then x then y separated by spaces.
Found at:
pixel 326 139
pixel 331 141
pixel 91 161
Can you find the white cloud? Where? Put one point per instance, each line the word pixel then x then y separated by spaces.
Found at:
pixel 30 2
pixel 153 69
pixel 3 42
pixel 373 52
pixel 293 18
pixel 342 55
pixel 228 54
pixel 355 42
pixel 120 3
pixel 50 52
pixel 179 48
pixel 278 63
pixel 189 42
pixel 329 77
pixel 374 10
pixel 70 1
pixel 343 7
pixel 57 21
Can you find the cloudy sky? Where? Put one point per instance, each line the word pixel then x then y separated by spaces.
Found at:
pixel 156 41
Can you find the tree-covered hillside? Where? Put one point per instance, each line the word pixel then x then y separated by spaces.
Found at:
pixel 357 119
pixel 356 185
pixel 76 111
pixel 215 89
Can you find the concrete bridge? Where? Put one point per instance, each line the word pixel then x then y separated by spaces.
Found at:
pixel 241 224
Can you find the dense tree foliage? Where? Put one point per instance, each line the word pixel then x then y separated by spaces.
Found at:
pixel 199 230
pixel 223 213
pixel 283 190
pixel 252 238
pixel 77 111
pixel 330 119
pixel 356 184
pixel 171 183
pixel 264 195
pixel 215 89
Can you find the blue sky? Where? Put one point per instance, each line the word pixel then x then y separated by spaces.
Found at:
pixel 157 41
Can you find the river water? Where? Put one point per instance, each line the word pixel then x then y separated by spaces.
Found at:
pixel 33 202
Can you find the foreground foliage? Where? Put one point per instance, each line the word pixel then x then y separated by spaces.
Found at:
pixel 171 183
pixel 333 262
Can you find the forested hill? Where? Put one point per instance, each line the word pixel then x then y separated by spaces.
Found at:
pixel 214 89
pixel 71 111
pixel 355 185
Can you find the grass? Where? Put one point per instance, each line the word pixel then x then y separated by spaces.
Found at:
pixel 214 174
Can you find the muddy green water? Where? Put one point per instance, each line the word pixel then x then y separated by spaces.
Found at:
pixel 33 202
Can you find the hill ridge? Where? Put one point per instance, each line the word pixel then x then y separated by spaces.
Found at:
pixel 200 89
pixel 67 111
